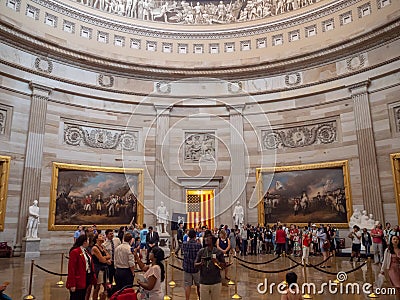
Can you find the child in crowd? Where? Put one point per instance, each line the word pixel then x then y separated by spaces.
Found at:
pixel 296 245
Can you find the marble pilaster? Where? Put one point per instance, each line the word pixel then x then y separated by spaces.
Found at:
pixel 161 178
pixel 33 157
pixel 371 190
pixel 237 152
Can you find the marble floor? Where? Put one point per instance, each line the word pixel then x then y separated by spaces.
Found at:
pixel 16 270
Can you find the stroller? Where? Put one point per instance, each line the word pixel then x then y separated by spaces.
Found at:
pixel 126 293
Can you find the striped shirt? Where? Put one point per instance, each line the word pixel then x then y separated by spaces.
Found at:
pixel 190 250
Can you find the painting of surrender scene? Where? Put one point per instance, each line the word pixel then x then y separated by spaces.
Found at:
pixel 317 193
pixel 83 195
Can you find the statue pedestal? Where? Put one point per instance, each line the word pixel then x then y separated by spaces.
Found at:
pixel 31 247
pixel 164 243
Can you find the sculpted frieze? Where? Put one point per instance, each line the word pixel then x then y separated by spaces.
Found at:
pixel 300 136
pixel 199 146
pixel 93 137
pixel 193 13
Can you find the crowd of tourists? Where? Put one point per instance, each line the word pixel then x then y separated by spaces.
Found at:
pixel 97 259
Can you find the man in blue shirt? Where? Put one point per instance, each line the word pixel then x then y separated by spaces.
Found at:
pixel 143 234
pixel 191 274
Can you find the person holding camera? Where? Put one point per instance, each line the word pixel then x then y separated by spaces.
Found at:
pixel 355 235
pixel 210 261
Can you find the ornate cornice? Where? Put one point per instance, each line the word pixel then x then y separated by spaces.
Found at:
pixel 30 43
pixel 182 34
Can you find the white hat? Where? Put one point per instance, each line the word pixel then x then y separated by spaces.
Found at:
pixel 313 225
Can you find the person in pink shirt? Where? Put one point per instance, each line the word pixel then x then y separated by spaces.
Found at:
pixel 377 236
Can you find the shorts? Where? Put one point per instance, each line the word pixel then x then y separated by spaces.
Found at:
pixel 191 278
pixel 143 246
pixel 356 247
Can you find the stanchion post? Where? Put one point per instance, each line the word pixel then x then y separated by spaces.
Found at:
pixel 306 296
pixel 236 295
pixel 60 283
pixel 230 282
pixel 372 295
pixel 30 296
pixel 166 297
pixel 172 283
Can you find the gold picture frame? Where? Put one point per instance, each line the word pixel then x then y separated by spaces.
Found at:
pixel 76 188
pixel 292 194
pixel 4 174
pixel 395 159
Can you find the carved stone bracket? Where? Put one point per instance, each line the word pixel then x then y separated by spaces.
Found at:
pixel 295 137
pixel 102 138
pixel 199 146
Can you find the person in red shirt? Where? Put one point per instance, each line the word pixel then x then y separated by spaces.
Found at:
pixel 377 236
pixel 306 243
pixel 280 239
pixel 81 276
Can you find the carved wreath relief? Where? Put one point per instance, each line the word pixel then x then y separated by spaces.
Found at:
pixel 3 119
pixel 77 135
pixel 397 118
pixel 199 146
pixel 301 136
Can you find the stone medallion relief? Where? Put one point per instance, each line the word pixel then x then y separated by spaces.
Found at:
pixel 199 146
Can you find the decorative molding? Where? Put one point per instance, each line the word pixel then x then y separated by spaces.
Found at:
pixel 300 136
pixel 105 80
pixel 356 62
pixel 367 41
pixel 380 3
pixel 199 147
pixel 43 64
pixel 293 79
pixel 103 138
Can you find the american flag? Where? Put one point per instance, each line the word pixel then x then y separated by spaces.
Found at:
pixel 200 208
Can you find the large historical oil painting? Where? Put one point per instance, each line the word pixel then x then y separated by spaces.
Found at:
pixel 317 193
pixel 4 174
pixel 395 158
pixel 85 195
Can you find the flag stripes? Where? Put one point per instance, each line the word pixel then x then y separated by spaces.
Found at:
pixel 200 208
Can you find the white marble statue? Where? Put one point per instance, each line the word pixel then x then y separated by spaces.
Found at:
pixel 238 214
pixel 371 222
pixel 364 219
pixel 355 219
pixel 162 218
pixel 33 221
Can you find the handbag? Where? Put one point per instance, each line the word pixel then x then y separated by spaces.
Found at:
pixel 380 280
pixel 142 294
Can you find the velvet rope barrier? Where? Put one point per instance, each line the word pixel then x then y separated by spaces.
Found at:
pixel 257 263
pixel 270 272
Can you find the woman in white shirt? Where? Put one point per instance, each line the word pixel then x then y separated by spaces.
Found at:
pixel 154 275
